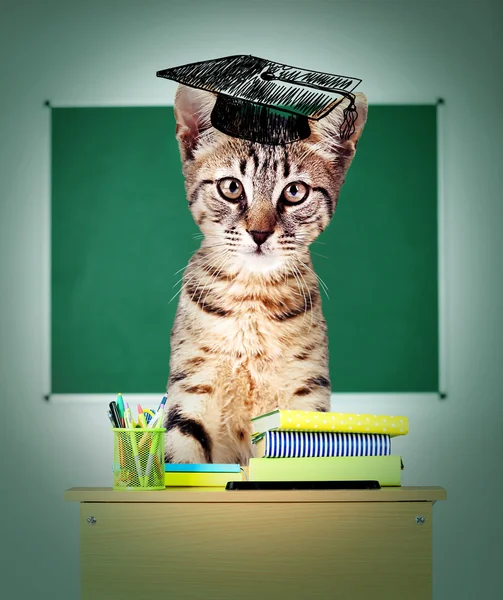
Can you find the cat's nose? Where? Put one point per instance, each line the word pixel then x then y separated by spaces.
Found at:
pixel 259 237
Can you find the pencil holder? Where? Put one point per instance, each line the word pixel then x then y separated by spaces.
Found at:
pixel 139 459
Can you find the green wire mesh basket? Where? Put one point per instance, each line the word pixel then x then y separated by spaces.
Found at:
pixel 138 459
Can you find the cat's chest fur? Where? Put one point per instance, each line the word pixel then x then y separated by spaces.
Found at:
pixel 255 369
pixel 248 334
pixel 251 322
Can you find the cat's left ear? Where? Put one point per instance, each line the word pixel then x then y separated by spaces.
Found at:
pixel 330 129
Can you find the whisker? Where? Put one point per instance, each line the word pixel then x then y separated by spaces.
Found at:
pixel 323 284
pixel 300 291
pixel 184 284
pixel 191 261
pixel 200 284
pixel 221 265
pixel 316 254
pixel 206 260
pixel 310 299
pixel 300 287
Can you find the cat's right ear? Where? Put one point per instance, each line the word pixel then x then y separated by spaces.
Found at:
pixel 193 119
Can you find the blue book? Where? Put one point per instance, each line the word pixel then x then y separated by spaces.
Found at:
pixel 201 468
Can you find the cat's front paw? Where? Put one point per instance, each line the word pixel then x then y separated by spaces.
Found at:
pixel 182 449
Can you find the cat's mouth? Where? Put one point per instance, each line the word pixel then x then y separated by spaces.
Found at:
pixel 257 251
pixel 261 260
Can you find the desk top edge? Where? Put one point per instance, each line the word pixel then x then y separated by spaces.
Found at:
pixel 385 494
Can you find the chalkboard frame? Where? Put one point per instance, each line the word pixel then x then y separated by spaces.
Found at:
pixel 167 129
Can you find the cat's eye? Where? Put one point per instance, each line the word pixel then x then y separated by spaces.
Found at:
pixel 230 189
pixel 294 193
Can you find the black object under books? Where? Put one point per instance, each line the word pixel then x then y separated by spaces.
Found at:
pixel 304 485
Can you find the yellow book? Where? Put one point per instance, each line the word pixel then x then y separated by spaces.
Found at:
pixel 306 420
pixel 181 479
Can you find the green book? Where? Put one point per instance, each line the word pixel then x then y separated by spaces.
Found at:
pixel 384 469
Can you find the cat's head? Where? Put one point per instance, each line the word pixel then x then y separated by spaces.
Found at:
pixel 260 206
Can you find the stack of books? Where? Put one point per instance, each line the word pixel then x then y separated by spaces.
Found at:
pixel 293 445
pixel 201 475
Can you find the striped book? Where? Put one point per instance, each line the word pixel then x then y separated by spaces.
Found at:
pixel 298 444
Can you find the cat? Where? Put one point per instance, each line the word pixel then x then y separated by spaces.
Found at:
pixel 249 334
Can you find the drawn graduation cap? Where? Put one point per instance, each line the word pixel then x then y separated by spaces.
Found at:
pixel 268 102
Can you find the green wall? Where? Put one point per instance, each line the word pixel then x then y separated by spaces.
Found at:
pixel 121 229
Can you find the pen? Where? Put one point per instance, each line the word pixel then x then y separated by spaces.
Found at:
pixel 158 415
pixel 134 446
pixel 141 417
pixel 162 402
pixel 153 422
pixel 151 454
pixel 111 419
pixel 161 416
pixel 160 469
pixel 122 457
pixel 128 418
pixel 120 408
pixel 115 414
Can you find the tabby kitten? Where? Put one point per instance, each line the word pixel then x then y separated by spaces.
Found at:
pixel 249 334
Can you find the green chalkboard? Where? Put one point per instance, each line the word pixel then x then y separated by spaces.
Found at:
pixel 121 229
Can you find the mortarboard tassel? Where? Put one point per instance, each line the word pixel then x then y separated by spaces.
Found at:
pixel 350 115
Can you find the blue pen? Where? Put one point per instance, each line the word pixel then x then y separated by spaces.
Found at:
pixel 158 415
pixel 162 402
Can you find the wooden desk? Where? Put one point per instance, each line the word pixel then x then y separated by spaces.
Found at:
pixel 207 543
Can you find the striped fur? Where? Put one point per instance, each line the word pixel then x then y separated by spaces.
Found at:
pixel 249 334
